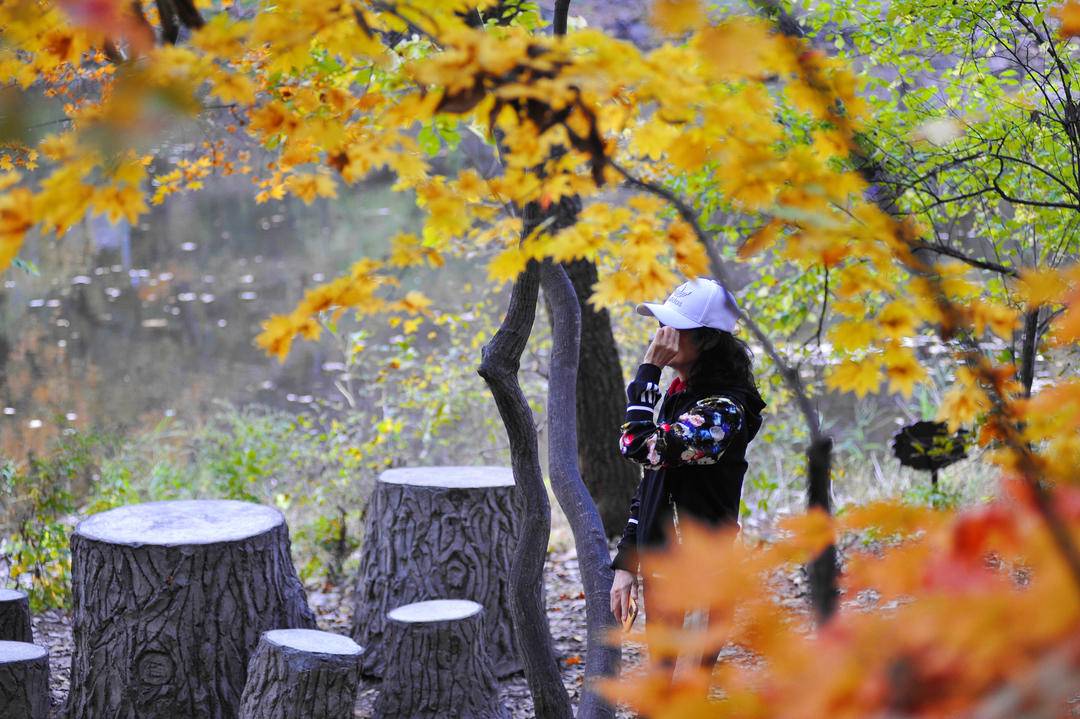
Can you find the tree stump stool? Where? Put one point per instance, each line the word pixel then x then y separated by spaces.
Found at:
pixel 438 533
pixel 15 616
pixel 24 681
pixel 436 664
pixel 169 602
pixel 302 674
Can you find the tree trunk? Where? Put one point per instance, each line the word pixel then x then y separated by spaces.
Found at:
pixel 24 681
pixel 499 365
pixel 601 657
pixel 437 665
pixel 15 616
pixel 1029 350
pixel 601 395
pixel 438 533
pixel 169 601
pixel 297 673
pixel 823 569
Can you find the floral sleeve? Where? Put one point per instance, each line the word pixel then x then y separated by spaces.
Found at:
pixel 699 436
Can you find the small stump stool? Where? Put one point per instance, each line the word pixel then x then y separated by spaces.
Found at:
pixel 436 665
pixel 24 681
pixel 298 673
pixel 169 601
pixel 15 616
pixel 438 533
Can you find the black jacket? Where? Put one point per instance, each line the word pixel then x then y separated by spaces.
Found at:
pixel 694 456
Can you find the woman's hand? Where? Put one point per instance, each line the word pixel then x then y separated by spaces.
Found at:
pixel 664 347
pixel 622 588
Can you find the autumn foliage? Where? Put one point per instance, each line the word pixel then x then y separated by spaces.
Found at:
pixel 975 609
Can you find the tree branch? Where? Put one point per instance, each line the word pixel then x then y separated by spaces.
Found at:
pixel 957 254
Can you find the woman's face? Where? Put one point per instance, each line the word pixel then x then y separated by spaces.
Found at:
pixel 688 351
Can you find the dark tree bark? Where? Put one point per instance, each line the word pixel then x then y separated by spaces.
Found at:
pixel 823 570
pixel 601 395
pixel 1029 350
pixel 298 673
pixel 169 601
pixel 24 681
pixel 438 533
pixel 601 657
pixel 611 480
pixel 499 365
pixel 437 666
pixel 15 616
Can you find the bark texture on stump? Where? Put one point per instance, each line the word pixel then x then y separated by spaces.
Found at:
pixel 24 681
pixel 169 601
pixel 15 616
pixel 438 533
pixel 302 674
pixel 437 667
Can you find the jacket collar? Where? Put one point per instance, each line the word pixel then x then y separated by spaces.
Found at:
pixel 677 385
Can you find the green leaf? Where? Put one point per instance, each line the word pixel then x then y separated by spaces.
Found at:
pixel 428 137
pixel 26 266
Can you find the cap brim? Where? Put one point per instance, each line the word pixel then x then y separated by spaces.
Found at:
pixel 668 316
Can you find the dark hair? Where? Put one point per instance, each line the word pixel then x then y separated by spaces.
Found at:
pixel 724 360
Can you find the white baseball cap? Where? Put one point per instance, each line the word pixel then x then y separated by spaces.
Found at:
pixel 696 303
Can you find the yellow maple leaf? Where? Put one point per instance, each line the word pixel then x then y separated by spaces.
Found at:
pixel 611 290
pixel 232 87
pixel 1066 328
pixel 413 302
pixel 1042 286
pixel 405 250
pixel 898 319
pixel 307 186
pixel 123 202
pixel 903 369
pixel 690 255
pixel 677 16
pixel 570 243
pixel 690 153
pixel 470 185
pixel 761 239
pixel 280 330
pixel 272 119
pixel 962 403
pixel 507 265
pixel 861 376
pixel 221 36
pixel 15 220
pixel 652 138
pixel 851 335
pixel 1000 320
pixel 743 47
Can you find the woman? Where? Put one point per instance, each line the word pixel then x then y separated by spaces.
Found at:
pixel 694 450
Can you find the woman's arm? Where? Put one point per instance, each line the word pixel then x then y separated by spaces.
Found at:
pixel 699 436
pixel 626 552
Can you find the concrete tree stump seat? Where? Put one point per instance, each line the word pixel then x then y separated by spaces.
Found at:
pixel 169 602
pixel 436 664
pixel 302 674
pixel 15 616
pixel 438 533
pixel 24 681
